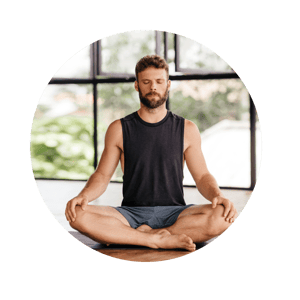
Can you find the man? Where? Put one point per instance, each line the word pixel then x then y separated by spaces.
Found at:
pixel 152 145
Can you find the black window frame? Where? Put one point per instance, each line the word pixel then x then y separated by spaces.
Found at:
pixel 198 70
pixel 189 74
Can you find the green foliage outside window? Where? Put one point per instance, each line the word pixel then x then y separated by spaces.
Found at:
pixel 62 147
pixel 211 101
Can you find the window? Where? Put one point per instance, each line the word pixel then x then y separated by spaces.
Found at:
pixel 96 87
pixel 119 53
pixel 220 109
pixel 193 57
pixel 61 136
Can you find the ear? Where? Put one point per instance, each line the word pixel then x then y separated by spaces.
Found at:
pixel 136 86
pixel 169 84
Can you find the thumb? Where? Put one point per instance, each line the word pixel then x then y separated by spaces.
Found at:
pixel 84 204
pixel 214 202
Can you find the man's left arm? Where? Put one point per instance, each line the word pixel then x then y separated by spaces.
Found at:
pixel 205 182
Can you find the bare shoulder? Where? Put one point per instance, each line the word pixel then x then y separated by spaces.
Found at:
pixel 191 133
pixel 115 127
pixel 190 126
pixel 113 134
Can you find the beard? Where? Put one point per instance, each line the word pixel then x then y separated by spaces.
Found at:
pixel 151 103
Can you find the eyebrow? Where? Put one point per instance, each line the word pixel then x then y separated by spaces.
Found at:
pixel 153 79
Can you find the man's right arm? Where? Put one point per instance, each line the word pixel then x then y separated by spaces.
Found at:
pixel 99 180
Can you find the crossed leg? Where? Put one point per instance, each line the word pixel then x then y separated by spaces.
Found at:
pixel 108 226
pixel 199 222
pixel 195 224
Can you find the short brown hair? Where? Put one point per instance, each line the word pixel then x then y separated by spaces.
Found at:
pixel 151 61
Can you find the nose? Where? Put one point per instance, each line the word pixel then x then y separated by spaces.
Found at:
pixel 153 86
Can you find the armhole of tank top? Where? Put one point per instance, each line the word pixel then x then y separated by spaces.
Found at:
pixel 182 142
pixel 122 126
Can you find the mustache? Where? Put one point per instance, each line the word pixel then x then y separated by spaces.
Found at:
pixel 152 94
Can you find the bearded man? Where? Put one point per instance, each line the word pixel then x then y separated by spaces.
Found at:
pixel 152 144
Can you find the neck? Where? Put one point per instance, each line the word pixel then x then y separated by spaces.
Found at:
pixel 152 115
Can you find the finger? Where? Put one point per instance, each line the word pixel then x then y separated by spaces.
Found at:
pixel 231 220
pixel 67 215
pixel 226 211
pixel 235 216
pixel 214 202
pixel 230 215
pixel 72 210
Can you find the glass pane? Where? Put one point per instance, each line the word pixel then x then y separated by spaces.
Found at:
pixel 196 56
pixel 78 66
pixel 121 52
pixel 62 130
pixel 220 109
pixel 115 101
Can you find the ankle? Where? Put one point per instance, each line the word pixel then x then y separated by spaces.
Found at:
pixel 155 240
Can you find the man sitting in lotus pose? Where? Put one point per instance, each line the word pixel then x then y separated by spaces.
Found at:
pixel 152 144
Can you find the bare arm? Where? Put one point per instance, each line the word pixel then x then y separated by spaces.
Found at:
pixel 99 180
pixel 205 182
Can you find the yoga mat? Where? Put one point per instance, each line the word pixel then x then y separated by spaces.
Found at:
pixel 95 245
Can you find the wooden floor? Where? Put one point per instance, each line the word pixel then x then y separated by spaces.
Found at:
pixel 144 255
pixel 133 253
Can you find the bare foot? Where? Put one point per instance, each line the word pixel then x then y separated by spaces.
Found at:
pixel 148 229
pixel 169 241
pixel 144 228
pixel 162 232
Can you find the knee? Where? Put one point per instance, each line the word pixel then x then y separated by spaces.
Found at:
pixel 216 222
pixel 80 220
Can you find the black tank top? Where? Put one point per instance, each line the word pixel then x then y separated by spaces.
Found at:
pixel 153 161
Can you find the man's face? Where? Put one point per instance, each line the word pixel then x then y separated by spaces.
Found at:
pixel 153 87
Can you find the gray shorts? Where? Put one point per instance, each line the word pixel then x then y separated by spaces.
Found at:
pixel 153 216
